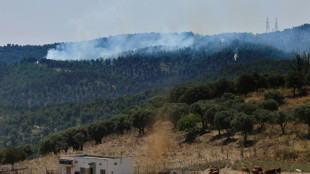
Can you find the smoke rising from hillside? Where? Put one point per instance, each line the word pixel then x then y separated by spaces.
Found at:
pixel 114 46
pixel 297 39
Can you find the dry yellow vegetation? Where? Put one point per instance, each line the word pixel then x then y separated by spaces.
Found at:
pixel 164 148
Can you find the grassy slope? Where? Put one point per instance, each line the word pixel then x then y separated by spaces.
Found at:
pixel 162 146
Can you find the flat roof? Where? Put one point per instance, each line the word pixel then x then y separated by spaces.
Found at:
pixel 89 156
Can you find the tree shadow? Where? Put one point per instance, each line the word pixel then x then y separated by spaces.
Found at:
pixel 191 136
pixel 248 143
pixel 229 140
pixel 216 137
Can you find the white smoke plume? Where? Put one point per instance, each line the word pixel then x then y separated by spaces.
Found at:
pixel 116 45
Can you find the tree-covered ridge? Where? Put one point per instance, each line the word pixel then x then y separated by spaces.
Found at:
pixel 11 53
pixel 27 126
pixel 40 82
pixel 212 106
pixel 233 71
pixel 193 108
pixel 296 38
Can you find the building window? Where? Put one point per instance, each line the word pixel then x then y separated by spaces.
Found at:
pixel 102 171
pixel 66 162
pixel 82 170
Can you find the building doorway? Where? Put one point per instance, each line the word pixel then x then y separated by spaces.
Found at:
pixel 92 168
pixel 68 170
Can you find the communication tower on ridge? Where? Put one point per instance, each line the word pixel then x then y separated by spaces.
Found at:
pixel 276 26
pixel 267 25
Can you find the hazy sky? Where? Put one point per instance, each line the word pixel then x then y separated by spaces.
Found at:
pixel 49 21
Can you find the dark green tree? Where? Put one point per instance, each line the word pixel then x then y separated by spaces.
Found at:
pixel 247 108
pixel 157 101
pixel 244 123
pixel 275 95
pixel 80 138
pixel 140 118
pixel 27 149
pixel 260 81
pixel 121 123
pixel 72 140
pixel 301 62
pixel 173 112
pixel 196 93
pixel 177 92
pixel 55 143
pixel 228 100
pixel 269 104
pixel 200 108
pixel 262 116
pixel 97 131
pixel 294 80
pixel 275 80
pixel 222 120
pixel 188 123
pixel 208 117
pixel 223 86
pixel 245 84
pixel 303 113
pixel 282 118
pixel 11 155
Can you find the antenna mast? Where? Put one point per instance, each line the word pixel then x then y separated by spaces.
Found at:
pixel 276 26
pixel 267 25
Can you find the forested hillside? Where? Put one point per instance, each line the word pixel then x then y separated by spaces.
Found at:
pixel 41 82
pixel 38 122
pixel 11 53
pixel 43 96
pixel 296 39
pixel 28 126
pixel 35 92
pixel 195 109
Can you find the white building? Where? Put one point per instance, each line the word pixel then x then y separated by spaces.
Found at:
pixel 95 164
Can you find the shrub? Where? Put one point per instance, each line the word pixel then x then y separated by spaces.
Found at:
pixel 275 95
pixel 188 122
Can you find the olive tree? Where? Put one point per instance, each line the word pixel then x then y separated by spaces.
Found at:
pixel 243 123
pixel 275 95
pixel 282 118
pixel 262 116
pixel 222 120
pixel 303 113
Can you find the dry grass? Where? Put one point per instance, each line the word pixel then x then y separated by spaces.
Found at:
pixel 160 145
pixel 164 147
pixel 290 102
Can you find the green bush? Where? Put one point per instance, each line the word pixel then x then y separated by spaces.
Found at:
pixel 188 122
pixel 275 95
